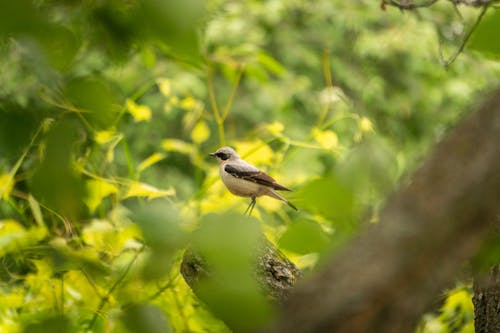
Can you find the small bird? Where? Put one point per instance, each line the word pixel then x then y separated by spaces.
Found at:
pixel 243 179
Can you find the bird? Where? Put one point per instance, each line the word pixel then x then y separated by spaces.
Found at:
pixel 245 180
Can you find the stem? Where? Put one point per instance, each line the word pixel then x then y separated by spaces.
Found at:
pixel 452 59
pixel 233 94
pixel 105 299
pixel 222 137
pixel 329 83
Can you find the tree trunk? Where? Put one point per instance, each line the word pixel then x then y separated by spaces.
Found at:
pixel 487 302
pixel 384 280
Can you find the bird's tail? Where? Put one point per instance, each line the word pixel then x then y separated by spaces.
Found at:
pixel 276 195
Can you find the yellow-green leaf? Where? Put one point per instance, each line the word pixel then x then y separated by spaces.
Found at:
pixel 275 128
pixel 152 159
pixel 177 146
pixel 200 132
pixel 102 137
pixel 326 139
pixel 6 185
pixel 139 112
pixel 97 190
pixel 164 86
pixel 35 209
pixel 365 124
pixel 138 189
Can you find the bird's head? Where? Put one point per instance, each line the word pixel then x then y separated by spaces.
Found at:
pixel 224 153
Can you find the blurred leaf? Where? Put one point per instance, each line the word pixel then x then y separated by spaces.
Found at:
pixel 165 86
pixel 97 190
pixel 14 237
pixel 485 37
pixel 55 324
pixel 35 210
pixel 65 258
pixel 139 112
pixel 151 160
pixel 304 237
pixel 148 57
pixel 20 17
pixel 177 146
pixel 200 132
pixel 94 99
pixel 159 223
pixel 370 168
pixel 173 22
pixel 365 125
pixel 145 318
pixel 138 189
pixel 60 46
pixel 102 137
pixel 17 126
pixel 329 197
pixel 275 128
pixel 6 185
pixel 326 139
pixel 56 182
pixel 270 63
pixel 228 243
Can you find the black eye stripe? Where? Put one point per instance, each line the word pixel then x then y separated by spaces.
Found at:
pixel 222 156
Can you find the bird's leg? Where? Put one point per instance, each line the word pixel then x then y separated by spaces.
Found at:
pixel 250 207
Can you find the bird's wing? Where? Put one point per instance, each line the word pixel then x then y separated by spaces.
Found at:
pixel 252 174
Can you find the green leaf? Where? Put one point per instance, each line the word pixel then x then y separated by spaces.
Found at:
pixel 227 243
pixel 151 160
pixel 330 198
pixel 14 237
pixel 97 190
pixel 304 237
pixel 200 132
pixel 56 183
pixel 270 63
pixel 138 189
pixel 160 226
pixel 145 318
pixel 55 324
pixel 94 99
pixel 485 37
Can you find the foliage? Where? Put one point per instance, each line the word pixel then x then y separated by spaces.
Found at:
pixel 108 110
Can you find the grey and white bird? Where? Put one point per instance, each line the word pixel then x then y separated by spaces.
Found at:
pixel 245 180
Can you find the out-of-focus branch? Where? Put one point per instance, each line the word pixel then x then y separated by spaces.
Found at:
pixel 386 278
pixel 410 4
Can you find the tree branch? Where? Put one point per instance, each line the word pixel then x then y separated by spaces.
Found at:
pixel 385 279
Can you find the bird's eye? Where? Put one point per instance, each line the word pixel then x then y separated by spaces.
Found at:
pixel 222 156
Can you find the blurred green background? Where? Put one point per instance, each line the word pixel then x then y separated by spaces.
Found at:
pixel 108 110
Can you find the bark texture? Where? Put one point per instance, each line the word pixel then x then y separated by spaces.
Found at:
pixel 487 302
pixel 275 273
pixel 385 278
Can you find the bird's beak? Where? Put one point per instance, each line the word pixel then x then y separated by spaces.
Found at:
pixel 212 154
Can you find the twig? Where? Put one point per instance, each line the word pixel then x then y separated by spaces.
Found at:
pixel 447 63
pixel 167 285
pixel 409 5
pixel 105 299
